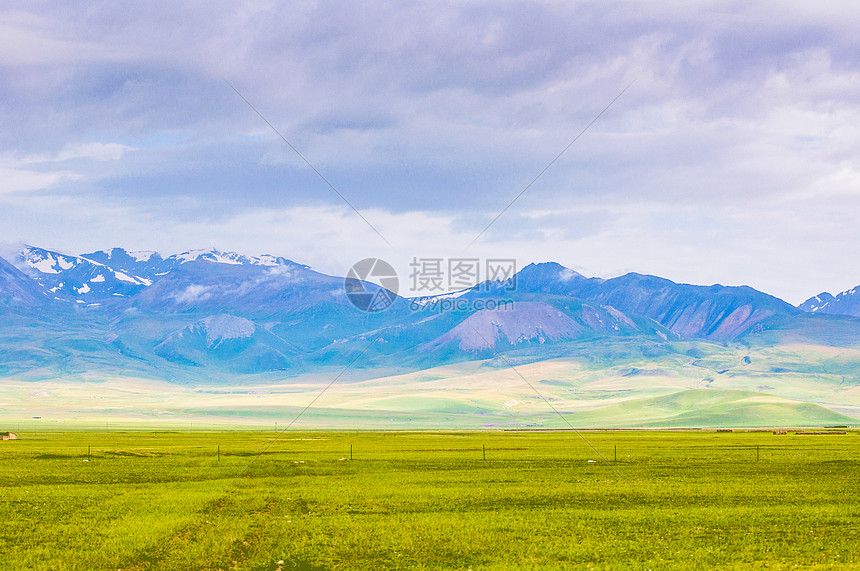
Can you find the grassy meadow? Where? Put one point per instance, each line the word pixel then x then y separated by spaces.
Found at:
pixel 603 383
pixel 429 500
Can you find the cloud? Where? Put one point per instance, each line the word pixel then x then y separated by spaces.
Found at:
pixel 193 294
pixel 776 250
pixel 23 180
pixel 732 158
pixel 91 150
pixel 46 171
pixel 567 274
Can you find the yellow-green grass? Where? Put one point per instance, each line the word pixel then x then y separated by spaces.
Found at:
pixel 602 384
pixel 705 408
pixel 407 500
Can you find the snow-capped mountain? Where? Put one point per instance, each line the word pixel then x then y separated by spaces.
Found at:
pixel 845 303
pixel 78 278
pixel 232 258
pixel 116 273
pixel 208 312
pixel 145 265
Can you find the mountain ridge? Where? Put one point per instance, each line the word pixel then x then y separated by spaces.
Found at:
pixel 844 303
pixel 117 310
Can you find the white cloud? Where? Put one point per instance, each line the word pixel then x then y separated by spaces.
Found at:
pixel 23 180
pixel 567 274
pixel 733 158
pixel 45 171
pixel 93 150
pixel 33 40
pixel 193 294
pixel 776 250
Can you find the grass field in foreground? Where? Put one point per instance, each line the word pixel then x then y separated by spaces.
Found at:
pixel 552 500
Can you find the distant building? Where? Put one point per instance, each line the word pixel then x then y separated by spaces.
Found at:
pixel 8 436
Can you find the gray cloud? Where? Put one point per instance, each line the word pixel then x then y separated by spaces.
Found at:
pixel 444 108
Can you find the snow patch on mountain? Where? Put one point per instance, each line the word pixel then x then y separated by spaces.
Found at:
pixel 210 255
pixel 232 258
pixel 43 261
pixel 142 256
pixel 123 277
pixel 844 303
pixel 45 266
pixel 268 260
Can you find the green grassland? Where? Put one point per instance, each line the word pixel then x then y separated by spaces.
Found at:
pixel 602 383
pixel 421 500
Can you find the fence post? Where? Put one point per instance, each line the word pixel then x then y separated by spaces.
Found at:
pixel 350 452
pixel 219 453
pixel 484 449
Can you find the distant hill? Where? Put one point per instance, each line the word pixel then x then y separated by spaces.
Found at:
pixel 16 290
pixel 207 315
pixel 845 303
pixel 688 311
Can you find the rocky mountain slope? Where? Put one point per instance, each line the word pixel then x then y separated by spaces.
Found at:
pixel 845 303
pixel 206 314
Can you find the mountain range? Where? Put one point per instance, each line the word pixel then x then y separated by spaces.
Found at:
pixel 205 315
pixel 845 303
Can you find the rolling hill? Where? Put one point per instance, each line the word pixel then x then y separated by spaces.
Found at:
pixel 212 318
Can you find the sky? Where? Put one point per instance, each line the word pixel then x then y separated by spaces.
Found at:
pixel 729 152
